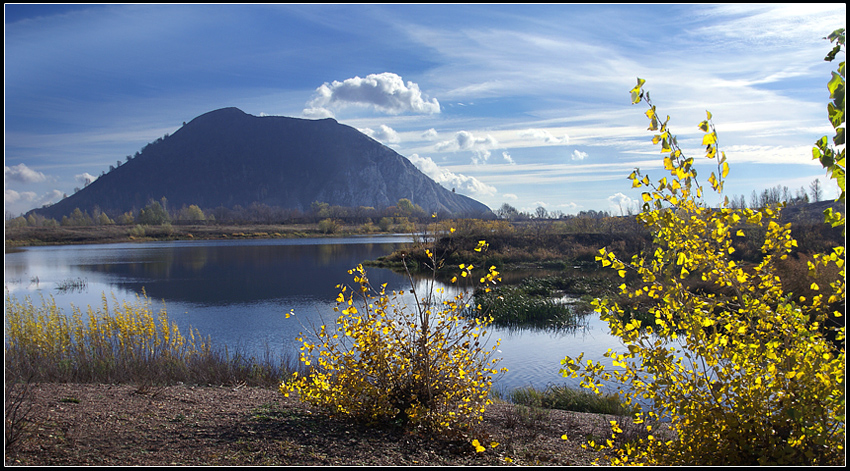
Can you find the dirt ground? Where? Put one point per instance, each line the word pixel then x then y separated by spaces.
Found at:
pixel 111 425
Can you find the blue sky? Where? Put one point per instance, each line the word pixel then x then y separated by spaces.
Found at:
pixel 519 104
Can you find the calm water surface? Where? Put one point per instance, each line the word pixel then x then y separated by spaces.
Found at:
pixel 237 292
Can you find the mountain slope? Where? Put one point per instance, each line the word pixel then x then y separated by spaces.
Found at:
pixel 227 158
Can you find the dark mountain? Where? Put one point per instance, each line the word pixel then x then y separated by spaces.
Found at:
pixel 227 158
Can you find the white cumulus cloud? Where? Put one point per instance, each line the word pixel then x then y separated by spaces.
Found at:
pixel 579 155
pixel 465 140
pixel 620 203
pixel 85 178
pixel 384 134
pixel 430 134
pixel 386 92
pixel 449 179
pixel 24 174
pixel 12 196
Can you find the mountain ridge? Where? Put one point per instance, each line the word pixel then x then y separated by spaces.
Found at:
pixel 227 157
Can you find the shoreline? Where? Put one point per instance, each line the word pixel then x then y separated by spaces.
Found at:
pixel 80 235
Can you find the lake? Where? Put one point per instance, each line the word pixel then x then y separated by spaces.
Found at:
pixel 238 291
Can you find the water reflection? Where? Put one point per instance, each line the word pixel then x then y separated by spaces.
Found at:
pixel 238 291
pixel 222 274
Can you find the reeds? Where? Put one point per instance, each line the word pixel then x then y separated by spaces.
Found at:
pixel 534 303
pixel 124 342
pixel 567 398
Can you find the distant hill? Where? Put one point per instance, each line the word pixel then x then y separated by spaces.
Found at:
pixel 227 158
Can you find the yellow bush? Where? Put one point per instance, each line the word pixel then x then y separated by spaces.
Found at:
pixel 747 373
pixel 423 365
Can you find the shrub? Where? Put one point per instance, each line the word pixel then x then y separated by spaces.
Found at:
pixel 385 360
pixel 328 226
pixel 136 231
pixel 750 374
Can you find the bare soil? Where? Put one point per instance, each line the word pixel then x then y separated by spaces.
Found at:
pixel 111 425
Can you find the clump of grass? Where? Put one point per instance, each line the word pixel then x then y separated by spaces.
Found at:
pixel 533 303
pixel 72 285
pixel 125 342
pixel 567 398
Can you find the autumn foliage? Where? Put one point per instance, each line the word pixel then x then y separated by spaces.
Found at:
pixel 405 357
pixel 745 373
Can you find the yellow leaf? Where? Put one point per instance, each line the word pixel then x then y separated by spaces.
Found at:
pixel 478 447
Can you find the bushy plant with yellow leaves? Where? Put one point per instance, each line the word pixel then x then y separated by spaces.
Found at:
pixel 744 373
pixel 389 358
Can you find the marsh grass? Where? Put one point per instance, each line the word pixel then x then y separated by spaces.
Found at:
pixel 122 343
pixel 535 302
pixel 72 285
pixel 566 398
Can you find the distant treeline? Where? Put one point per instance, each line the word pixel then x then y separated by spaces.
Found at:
pixel 160 212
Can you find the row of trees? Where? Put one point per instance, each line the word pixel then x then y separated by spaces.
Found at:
pixel 155 213
pixel 767 197
pixel 779 194
pixel 158 213
pixel 510 213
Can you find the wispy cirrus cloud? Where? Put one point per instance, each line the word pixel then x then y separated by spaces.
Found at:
pixel 384 133
pixel 545 136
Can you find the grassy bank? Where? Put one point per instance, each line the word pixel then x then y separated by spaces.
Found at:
pixel 67 235
pixel 128 374
pixel 130 343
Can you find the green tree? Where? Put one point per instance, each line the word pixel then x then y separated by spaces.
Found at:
pixel 407 209
pixel 154 214
pixel 192 213
pixel 126 218
pixel 77 218
pixel 320 209
pixel 745 372
pixel 104 220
